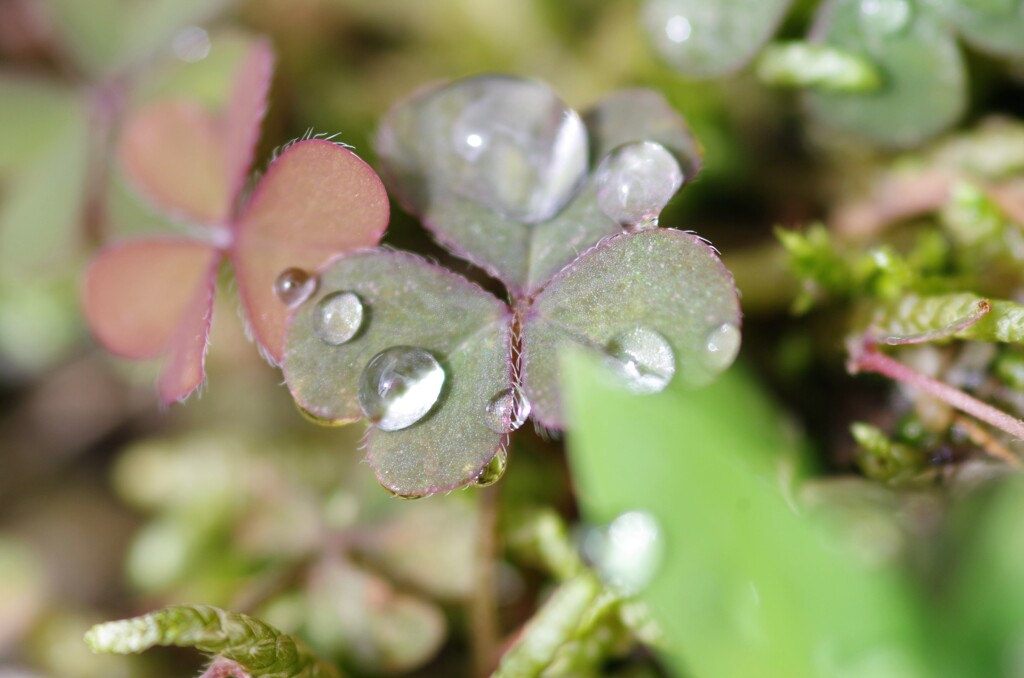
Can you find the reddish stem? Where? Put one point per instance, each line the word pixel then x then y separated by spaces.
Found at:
pixel 868 359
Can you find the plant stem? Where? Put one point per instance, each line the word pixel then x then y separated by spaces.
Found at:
pixel 483 608
pixel 867 359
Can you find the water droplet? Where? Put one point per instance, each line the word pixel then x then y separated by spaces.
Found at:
pixel 507 410
pixel 337 318
pixel 636 181
pixel 644 359
pixel 512 146
pixel 191 44
pixel 678 28
pixel 627 553
pixel 884 17
pixel 494 470
pixel 294 286
pixel 399 386
pixel 399 495
pixel 722 346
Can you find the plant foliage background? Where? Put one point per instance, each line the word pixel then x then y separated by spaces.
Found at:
pixel 863 180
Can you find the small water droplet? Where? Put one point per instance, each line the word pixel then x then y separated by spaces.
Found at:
pixel 399 495
pixel 678 28
pixel 512 145
pixel 884 17
pixel 399 386
pixel 494 470
pixel 636 181
pixel 337 318
pixel 644 359
pixel 191 44
pixel 626 553
pixel 507 410
pixel 722 346
pixel 294 286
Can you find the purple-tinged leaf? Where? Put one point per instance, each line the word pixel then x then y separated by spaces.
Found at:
pixel 315 201
pixel 154 297
pixel 661 282
pixel 173 153
pixel 459 170
pixel 406 301
pixel 245 112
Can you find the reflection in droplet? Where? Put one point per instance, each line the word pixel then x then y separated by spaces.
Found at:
pixel 337 318
pixel 402 496
pixel 514 146
pixel 678 28
pixel 191 44
pixel 636 181
pixel 399 386
pixel 293 286
pixel 722 346
pixel 884 17
pixel 627 553
pixel 507 410
pixel 494 470
pixel 644 359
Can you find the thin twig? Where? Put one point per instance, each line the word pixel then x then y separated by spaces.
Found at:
pixel 983 439
pixel 866 358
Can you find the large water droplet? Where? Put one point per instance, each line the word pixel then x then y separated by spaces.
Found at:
pixel 644 359
pixel 399 386
pixel 512 145
pixel 884 17
pixel 627 553
pixel 507 410
pixel 337 318
pixel 722 346
pixel 293 286
pixel 636 181
pixel 494 470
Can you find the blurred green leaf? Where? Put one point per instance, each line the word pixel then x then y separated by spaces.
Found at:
pixel 260 649
pixel 923 81
pixel 707 40
pixel 747 587
pixel 990 25
pixel 804 64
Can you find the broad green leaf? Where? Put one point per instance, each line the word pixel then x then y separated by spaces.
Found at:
pixel 260 649
pixel 923 81
pixel 408 302
pixel 984 611
pixel 994 26
pixel 660 280
pixel 424 164
pixel 42 200
pixel 710 39
pixel 747 585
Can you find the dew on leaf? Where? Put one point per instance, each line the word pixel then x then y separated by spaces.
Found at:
pixel 626 553
pixel 494 470
pixel 337 318
pixel 507 410
pixel 644 359
pixel 515 147
pixel 722 346
pixel 636 181
pixel 884 17
pixel 399 386
pixel 293 286
pixel 191 44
